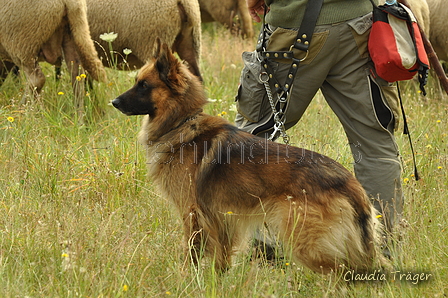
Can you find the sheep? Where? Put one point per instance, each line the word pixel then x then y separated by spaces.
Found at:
pixel 46 30
pixel 420 10
pixel 438 34
pixel 138 23
pixel 224 11
pixel 431 15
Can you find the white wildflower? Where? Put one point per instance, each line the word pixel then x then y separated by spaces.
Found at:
pixel 109 37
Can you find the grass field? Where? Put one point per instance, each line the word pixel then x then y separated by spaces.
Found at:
pixel 79 218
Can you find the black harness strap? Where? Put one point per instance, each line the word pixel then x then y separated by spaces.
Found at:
pixel 302 43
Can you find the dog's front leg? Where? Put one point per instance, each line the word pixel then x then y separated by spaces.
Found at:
pixel 205 235
pixel 193 234
pixel 220 239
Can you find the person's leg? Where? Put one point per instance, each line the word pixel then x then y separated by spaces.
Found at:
pixel 376 157
pixel 360 103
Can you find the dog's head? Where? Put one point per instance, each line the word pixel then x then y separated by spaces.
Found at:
pixel 164 88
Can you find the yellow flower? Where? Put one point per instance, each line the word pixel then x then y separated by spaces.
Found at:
pixel 10 119
pixel 439 167
pixel 78 78
pixel 83 76
pixel 429 146
pixel 286 264
pixel 168 292
pixel 379 216
pixel 224 113
pixel 406 180
pixel 438 121
pixel 229 212
pixel 60 93
pixel 125 288
pixel 64 255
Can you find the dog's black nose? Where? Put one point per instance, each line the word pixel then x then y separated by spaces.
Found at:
pixel 116 102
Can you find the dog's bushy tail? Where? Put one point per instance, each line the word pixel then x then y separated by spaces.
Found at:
pixel 369 231
pixel 339 235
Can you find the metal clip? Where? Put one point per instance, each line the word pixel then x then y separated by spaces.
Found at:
pixel 263 77
pixel 277 128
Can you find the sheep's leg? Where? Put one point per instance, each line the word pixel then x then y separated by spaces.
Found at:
pixel 73 63
pixel 245 19
pixel 185 46
pixel 35 80
pixel 5 68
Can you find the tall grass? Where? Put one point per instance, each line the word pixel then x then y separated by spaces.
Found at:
pixel 79 218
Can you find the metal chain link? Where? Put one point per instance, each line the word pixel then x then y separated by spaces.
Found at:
pixel 279 125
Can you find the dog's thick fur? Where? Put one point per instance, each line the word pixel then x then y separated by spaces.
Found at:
pixel 225 182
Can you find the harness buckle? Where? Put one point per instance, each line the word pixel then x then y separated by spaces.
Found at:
pixel 306 53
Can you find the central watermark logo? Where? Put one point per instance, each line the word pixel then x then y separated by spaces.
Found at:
pixel 220 152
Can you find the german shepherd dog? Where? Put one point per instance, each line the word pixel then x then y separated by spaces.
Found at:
pixel 226 183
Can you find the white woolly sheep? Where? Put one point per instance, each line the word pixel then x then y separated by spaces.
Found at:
pixel 438 33
pixel 139 22
pixel 431 15
pixel 420 10
pixel 46 30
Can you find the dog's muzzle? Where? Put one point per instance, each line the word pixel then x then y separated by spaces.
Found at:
pixel 132 108
pixel 118 104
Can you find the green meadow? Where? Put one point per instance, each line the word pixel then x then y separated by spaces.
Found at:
pixel 79 217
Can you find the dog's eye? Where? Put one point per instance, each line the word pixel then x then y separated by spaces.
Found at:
pixel 143 84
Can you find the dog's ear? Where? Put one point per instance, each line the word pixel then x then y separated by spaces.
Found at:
pixel 168 67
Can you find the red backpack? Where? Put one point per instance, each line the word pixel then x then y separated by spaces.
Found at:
pixel 396 45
